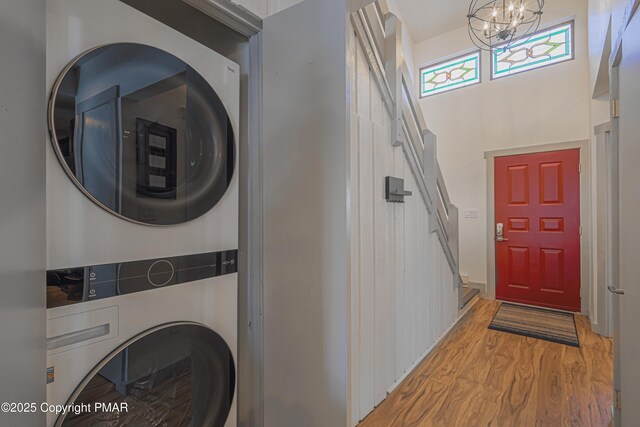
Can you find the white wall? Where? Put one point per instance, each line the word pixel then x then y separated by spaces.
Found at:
pixel 542 106
pixel 403 296
pixel 264 8
pixel 407 41
pixel 22 211
pixel 305 160
pixel 356 290
pixel 603 15
pixel 617 8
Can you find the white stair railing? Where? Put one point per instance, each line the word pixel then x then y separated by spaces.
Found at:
pixel 380 35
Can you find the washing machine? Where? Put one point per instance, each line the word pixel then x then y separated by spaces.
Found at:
pixel 142 222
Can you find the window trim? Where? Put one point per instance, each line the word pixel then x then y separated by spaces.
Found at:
pixel 572 25
pixel 444 60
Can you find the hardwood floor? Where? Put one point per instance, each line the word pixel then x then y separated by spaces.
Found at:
pixel 481 377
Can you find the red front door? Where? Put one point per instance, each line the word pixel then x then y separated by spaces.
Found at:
pixel 537 201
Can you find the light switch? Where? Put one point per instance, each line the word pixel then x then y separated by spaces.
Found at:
pixel 471 213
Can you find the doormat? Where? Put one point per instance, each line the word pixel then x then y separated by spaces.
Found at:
pixel 534 322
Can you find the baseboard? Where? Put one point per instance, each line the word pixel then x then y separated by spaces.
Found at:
pixel 461 313
pixel 599 329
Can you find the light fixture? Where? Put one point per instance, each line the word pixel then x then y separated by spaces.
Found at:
pixel 502 23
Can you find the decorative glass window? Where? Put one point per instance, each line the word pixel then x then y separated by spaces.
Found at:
pixel 452 74
pixel 546 47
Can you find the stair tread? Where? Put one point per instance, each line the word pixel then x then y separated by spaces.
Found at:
pixel 469 294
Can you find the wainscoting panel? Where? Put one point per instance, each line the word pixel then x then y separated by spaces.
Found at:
pixel 402 288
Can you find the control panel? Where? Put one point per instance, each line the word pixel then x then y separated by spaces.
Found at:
pixel 81 284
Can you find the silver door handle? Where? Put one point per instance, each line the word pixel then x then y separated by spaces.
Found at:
pixel 615 291
pixel 401 193
pixel 501 239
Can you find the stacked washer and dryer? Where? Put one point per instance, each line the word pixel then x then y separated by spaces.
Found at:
pixel 142 221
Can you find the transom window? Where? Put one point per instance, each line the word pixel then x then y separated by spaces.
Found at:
pixel 451 74
pixel 546 47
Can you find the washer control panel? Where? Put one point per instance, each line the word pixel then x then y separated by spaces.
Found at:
pixel 81 284
pixel 160 273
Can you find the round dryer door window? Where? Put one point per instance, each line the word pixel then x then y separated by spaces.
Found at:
pixel 175 375
pixel 142 134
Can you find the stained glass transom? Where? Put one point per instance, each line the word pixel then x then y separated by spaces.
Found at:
pixel 543 48
pixel 452 74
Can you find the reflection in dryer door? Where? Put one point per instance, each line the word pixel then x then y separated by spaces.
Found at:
pixel 142 134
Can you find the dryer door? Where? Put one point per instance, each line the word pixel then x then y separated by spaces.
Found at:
pixel 142 134
pixel 180 374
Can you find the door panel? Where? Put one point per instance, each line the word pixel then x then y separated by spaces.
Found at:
pixel 537 199
pixel 518 181
pixel 551 185
pixel 552 270
pixel 519 267
pixel 627 324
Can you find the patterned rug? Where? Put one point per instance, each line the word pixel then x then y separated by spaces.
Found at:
pixel 534 322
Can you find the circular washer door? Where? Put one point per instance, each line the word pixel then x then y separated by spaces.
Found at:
pixel 142 134
pixel 180 374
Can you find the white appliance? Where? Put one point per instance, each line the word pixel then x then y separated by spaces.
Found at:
pixel 142 222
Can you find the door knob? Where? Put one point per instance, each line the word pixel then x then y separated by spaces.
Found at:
pixel 615 290
pixel 394 190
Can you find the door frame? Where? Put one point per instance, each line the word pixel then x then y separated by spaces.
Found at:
pixel 604 205
pixel 585 215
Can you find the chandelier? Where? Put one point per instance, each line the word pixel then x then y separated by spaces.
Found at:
pixel 503 22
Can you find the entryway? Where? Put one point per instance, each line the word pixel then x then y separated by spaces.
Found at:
pixel 537 247
pixel 537 215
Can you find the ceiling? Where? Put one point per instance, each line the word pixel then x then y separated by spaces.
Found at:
pixel 428 18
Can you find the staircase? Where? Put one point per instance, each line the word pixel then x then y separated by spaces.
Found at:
pixel 468 293
pixel 379 32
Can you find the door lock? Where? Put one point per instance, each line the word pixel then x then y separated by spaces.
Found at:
pixel 499 233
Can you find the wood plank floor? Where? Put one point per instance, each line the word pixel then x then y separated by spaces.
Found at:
pixel 481 377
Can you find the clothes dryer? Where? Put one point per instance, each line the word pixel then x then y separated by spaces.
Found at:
pixel 142 221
